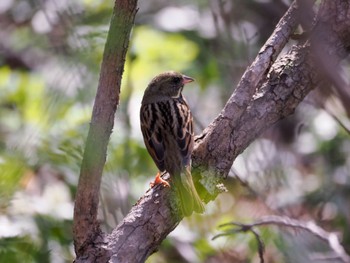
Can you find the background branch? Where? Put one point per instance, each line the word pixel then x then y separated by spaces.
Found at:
pixel 311 227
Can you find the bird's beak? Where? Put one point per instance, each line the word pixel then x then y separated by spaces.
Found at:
pixel 186 79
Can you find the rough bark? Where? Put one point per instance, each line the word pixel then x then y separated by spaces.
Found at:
pixel 211 144
pixel 269 90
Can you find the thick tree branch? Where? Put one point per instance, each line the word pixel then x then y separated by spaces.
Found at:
pixel 145 227
pixel 86 229
pixel 293 76
pixel 216 150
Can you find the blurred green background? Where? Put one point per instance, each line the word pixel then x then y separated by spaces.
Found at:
pixel 50 54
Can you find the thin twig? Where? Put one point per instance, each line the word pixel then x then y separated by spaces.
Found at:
pixel 244 228
pixel 311 227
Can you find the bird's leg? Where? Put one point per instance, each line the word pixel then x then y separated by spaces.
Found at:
pixel 159 180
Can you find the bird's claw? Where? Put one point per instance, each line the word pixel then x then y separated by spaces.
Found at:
pixel 159 180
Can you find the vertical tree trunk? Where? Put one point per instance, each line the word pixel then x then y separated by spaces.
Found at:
pixel 86 229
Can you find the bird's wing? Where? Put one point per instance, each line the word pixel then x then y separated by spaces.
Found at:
pixel 152 137
pixel 184 136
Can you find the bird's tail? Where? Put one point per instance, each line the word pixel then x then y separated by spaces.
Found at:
pixel 190 200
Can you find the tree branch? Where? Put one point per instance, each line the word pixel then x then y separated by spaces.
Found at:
pixel 86 229
pixel 216 150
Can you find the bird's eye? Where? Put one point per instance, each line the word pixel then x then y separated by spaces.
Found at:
pixel 176 80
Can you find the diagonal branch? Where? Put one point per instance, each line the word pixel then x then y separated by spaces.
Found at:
pixel 236 106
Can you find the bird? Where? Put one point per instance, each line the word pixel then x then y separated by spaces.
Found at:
pixel 167 129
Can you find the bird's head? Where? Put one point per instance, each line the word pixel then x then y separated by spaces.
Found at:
pixel 165 86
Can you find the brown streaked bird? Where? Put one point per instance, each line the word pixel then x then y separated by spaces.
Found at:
pixel 167 128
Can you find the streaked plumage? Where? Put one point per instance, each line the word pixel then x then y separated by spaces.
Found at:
pixel 167 128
